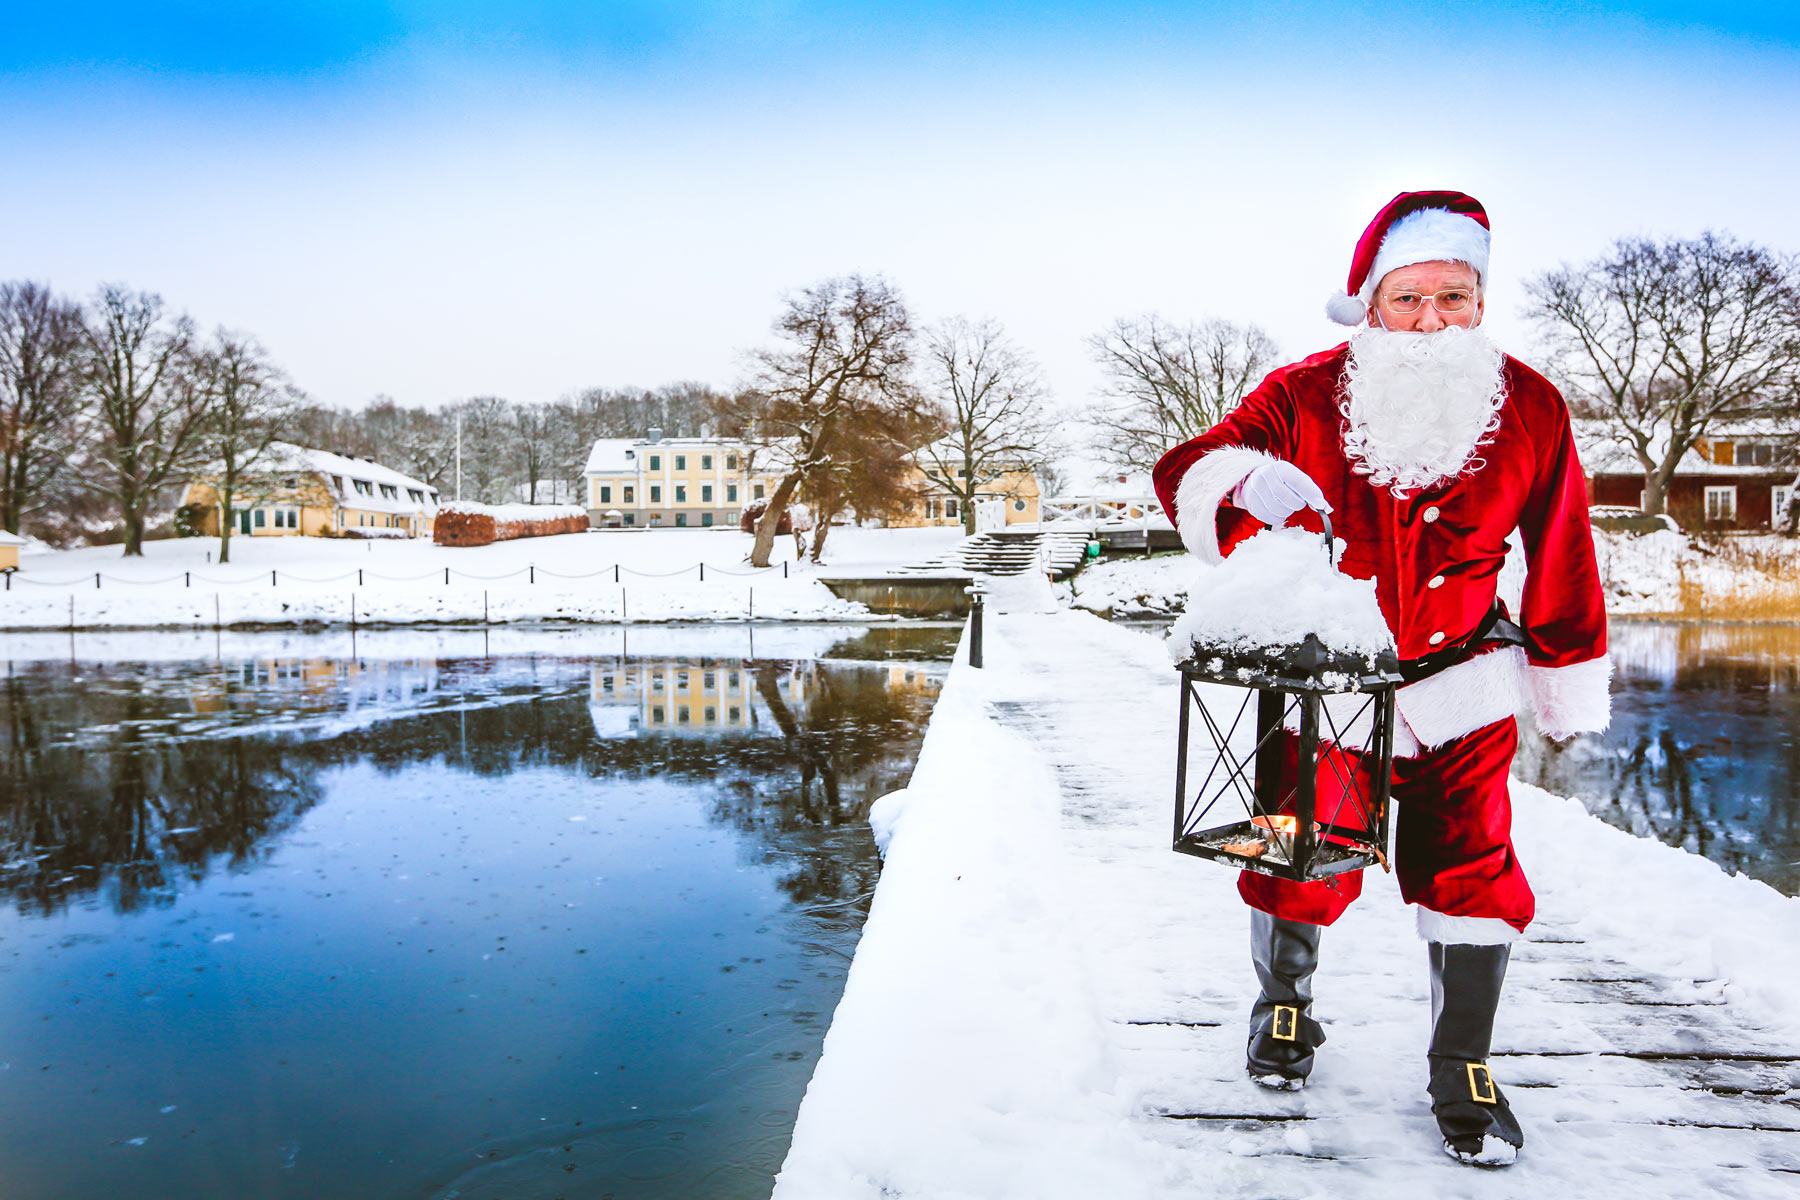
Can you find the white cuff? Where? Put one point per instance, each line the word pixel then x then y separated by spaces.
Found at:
pixel 1573 699
pixel 1204 486
pixel 1464 931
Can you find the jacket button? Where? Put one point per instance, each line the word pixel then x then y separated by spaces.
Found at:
pixel 1437 637
pixel 1430 514
pixel 1437 581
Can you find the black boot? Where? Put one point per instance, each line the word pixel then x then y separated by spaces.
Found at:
pixel 1283 1034
pixel 1472 1114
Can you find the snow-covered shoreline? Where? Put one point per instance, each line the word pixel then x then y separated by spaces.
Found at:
pixel 1041 980
pixel 611 577
pixel 1659 576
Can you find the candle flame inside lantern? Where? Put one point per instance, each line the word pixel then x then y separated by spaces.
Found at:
pixel 1281 823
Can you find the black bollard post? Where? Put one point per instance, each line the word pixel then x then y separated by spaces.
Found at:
pixel 976 607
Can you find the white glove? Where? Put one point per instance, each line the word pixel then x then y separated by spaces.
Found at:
pixel 1276 491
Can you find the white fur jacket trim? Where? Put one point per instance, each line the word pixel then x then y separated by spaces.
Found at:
pixel 1203 487
pixel 1464 931
pixel 1461 699
pixel 1573 699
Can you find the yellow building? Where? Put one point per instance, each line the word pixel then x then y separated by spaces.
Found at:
pixel 296 492
pixel 673 483
pixel 1016 492
pixel 684 697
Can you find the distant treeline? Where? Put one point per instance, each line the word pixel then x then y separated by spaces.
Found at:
pixel 510 451
pixel 109 406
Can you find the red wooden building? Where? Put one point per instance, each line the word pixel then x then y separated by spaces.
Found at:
pixel 1740 477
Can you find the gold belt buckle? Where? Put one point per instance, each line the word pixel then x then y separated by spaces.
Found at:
pixel 1287 1023
pixel 1481 1085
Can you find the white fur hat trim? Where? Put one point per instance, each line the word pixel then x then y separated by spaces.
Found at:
pixel 1429 235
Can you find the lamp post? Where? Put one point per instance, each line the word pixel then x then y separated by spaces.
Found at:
pixel 977 592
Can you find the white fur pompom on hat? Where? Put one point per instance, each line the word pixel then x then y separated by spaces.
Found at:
pixel 1346 309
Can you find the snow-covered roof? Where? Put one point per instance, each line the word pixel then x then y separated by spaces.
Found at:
pixel 284 456
pixel 10 539
pixel 609 456
pixel 1604 451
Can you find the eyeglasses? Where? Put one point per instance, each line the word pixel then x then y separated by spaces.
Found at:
pixel 1450 300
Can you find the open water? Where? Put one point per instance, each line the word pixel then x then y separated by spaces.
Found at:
pixel 289 918
pixel 1704 747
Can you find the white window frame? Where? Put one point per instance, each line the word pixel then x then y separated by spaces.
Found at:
pixel 1780 496
pixel 1723 498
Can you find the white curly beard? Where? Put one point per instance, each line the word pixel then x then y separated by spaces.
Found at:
pixel 1417 406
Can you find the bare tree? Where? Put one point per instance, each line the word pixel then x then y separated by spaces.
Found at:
pixel 39 396
pixel 995 411
pixel 869 475
pixel 1662 339
pixel 530 448
pixel 251 406
pixel 844 351
pixel 148 407
pixel 1167 383
pixel 486 437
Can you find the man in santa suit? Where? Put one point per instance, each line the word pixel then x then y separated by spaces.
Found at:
pixel 1431 450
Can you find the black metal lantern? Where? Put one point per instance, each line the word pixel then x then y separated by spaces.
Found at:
pixel 1313 785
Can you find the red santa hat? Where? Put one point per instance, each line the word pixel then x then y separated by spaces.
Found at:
pixel 1414 227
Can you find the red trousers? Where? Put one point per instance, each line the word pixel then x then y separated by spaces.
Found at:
pixel 1453 846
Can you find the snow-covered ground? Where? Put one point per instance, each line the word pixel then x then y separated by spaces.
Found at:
pixel 652 575
pixel 1048 1004
pixel 1664 573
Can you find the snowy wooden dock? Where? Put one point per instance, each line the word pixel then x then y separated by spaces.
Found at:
pixel 1649 1036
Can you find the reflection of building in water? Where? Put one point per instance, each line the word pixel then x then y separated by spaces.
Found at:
pixel 627 697
pixel 312 683
pixel 914 679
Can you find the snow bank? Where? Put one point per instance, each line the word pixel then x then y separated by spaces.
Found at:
pixel 967 1058
pixel 1659 573
pixel 1663 908
pixel 1135 587
pixel 1667 572
pixel 1273 590
pixel 611 576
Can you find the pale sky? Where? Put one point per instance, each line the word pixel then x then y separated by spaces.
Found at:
pixel 435 198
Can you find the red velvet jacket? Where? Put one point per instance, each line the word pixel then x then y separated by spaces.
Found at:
pixel 1435 555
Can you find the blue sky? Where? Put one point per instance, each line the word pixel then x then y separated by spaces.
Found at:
pixel 437 199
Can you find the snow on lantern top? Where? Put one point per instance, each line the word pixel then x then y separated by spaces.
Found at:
pixel 1270 594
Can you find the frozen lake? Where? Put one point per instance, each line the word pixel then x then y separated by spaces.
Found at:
pixel 437 914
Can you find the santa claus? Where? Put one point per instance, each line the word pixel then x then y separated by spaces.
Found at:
pixel 1432 450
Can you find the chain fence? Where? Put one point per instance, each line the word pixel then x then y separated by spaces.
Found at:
pixel 363 575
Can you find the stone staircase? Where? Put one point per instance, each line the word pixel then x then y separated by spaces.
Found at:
pixel 1008 552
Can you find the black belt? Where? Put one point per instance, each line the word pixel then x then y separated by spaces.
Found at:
pixel 1493 627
